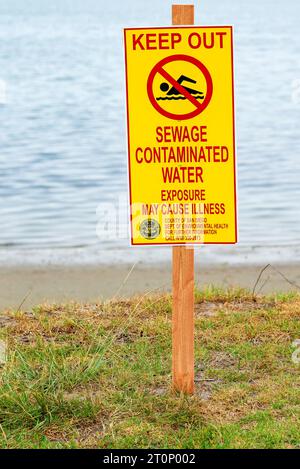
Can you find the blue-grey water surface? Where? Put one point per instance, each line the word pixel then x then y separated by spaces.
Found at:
pixel 63 141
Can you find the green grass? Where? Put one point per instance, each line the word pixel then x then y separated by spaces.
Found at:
pixel 99 375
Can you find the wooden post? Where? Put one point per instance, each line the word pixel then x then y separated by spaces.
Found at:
pixel 183 282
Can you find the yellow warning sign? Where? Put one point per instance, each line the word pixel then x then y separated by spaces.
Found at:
pixel 181 143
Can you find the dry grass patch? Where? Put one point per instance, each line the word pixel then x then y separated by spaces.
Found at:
pixel 99 375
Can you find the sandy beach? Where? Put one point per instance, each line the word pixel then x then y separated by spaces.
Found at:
pixel 25 286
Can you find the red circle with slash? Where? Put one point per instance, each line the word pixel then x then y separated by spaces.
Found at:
pixel 199 107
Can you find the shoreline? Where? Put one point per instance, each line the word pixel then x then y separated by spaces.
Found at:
pixel 23 286
pixel 111 254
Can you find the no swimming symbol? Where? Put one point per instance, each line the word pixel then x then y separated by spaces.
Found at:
pixel 179 88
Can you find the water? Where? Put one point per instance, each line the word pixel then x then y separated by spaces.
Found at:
pixel 62 138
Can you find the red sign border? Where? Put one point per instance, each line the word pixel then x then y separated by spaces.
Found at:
pixel 181 243
pixel 197 63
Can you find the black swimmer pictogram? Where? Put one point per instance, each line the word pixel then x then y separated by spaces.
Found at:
pixel 173 93
pixel 185 87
